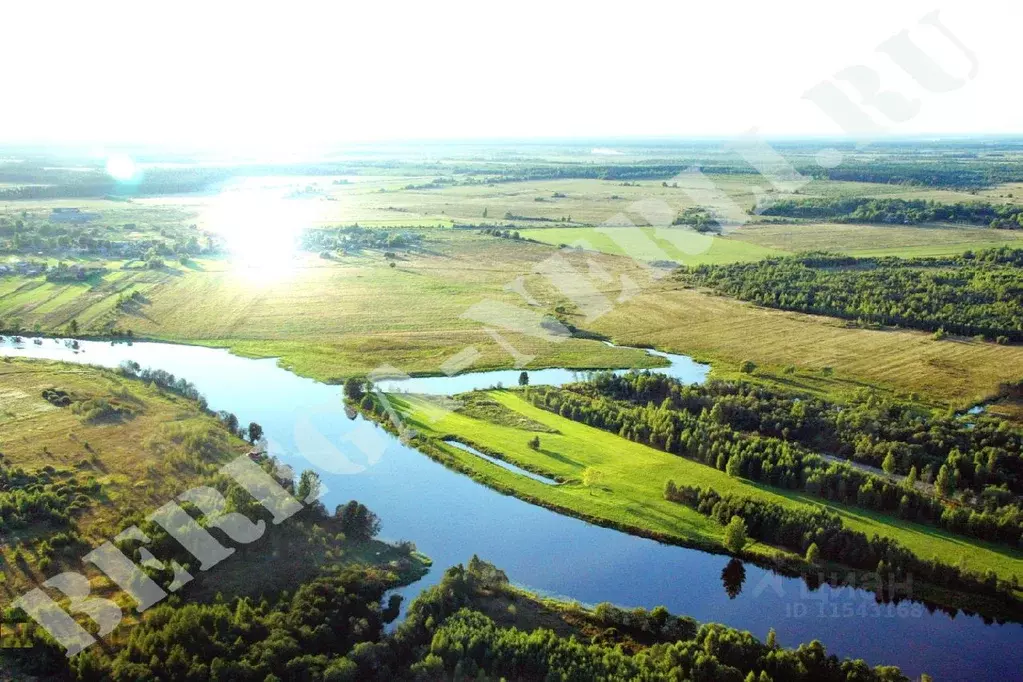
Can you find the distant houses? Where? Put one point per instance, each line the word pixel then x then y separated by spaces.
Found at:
pixel 22 268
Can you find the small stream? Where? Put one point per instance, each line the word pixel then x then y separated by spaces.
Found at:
pixel 450 517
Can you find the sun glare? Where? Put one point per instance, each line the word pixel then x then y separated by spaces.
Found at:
pixel 121 167
pixel 261 232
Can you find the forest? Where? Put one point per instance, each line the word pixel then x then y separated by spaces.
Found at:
pixel 898 211
pixel 331 629
pixel 972 294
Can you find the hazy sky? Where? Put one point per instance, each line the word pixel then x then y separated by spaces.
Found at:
pixel 267 76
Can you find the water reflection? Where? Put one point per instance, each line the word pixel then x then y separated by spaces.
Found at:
pixel 732 577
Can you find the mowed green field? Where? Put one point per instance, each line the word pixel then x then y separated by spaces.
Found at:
pixel 631 478
pixel 678 244
pixel 30 303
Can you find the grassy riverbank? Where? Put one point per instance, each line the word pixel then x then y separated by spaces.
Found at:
pixel 620 483
pixel 118 449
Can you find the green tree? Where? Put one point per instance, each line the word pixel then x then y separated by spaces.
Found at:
pixel 354 389
pixel 255 432
pixel 534 443
pixel 912 478
pixel 943 483
pixel 592 478
pixel 735 534
pixel 733 466
pixel 747 367
pixel 889 464
pixel 813 553
pixel 523 378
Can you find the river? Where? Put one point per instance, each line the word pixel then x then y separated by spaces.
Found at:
pixel 450 517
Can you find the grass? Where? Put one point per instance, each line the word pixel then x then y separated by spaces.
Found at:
pixel 678 244
pixel 329 319
pixel 629 491
pixel 139 462
pixel 726 332
pixel 875 240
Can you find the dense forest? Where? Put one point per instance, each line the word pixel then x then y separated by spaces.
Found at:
pixel 898 211
pixel 971 294
pixel 332 630
pixel 794 442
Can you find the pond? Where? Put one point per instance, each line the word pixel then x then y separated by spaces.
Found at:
pixel 450 517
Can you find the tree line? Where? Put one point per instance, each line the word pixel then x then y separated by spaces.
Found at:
pixel 898 211
pixel 973 294
pixel 821 535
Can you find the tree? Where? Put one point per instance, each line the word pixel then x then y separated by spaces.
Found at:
pixel 592 478
pixel 72 327
pixel 943 484
pixel 255 432
pixel 747 367
pixel 534 443
pixel 523 378
pixel 912 478
pixel 357 522
pixel 354 389
pixel 889 464
pixel 733 466
pixel 735 534
pixel 813 553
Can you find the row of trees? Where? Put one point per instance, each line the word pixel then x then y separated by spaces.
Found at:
pixel 897 211
pixel 972 294
pixel 821 535
pixel 702 424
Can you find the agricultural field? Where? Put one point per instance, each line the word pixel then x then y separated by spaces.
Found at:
pixel 875 240
pixel 618 481
pixel 330 318
pixel 825 353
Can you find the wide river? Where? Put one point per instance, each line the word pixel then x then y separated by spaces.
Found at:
pixel 450 517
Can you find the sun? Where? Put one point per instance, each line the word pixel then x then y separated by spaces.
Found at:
pixel 121 167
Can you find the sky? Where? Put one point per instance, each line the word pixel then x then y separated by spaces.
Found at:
pixel 281 75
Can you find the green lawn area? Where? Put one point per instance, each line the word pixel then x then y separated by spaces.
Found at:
pixel 679 244
pixel 631 480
